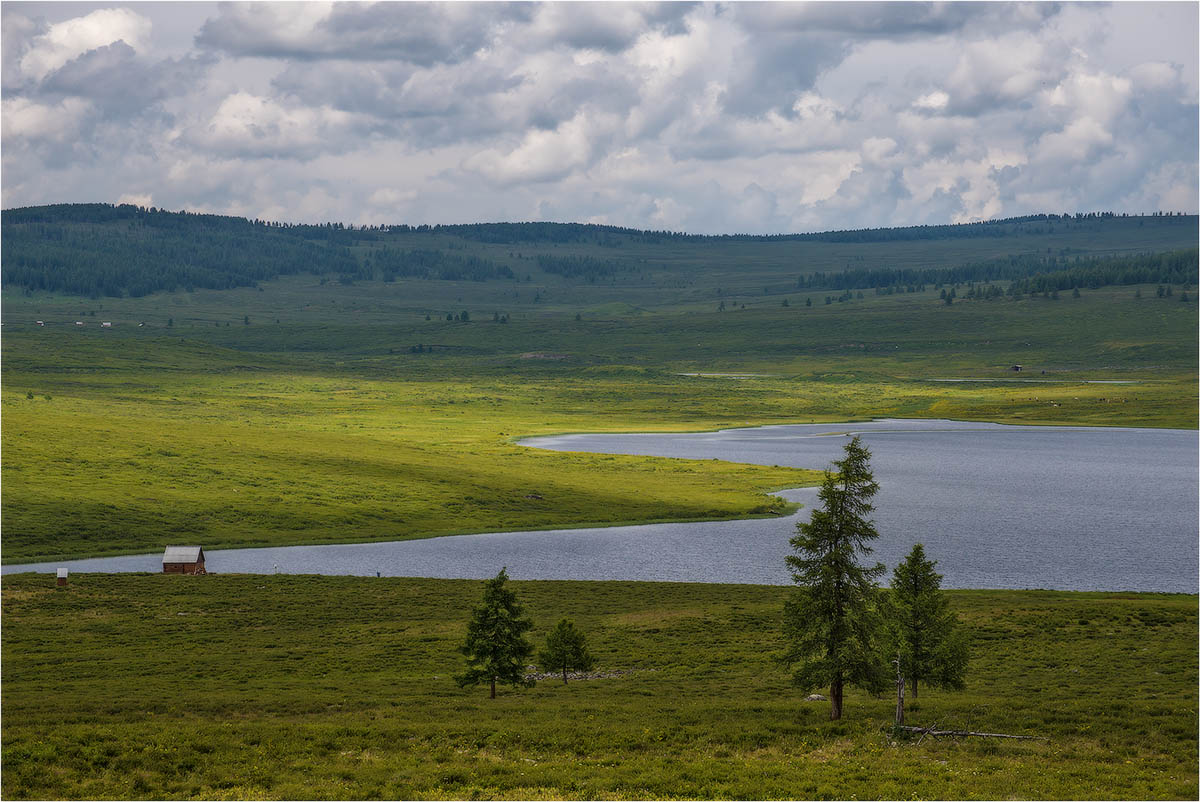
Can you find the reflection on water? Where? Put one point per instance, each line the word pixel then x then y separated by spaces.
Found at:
pixel 997 506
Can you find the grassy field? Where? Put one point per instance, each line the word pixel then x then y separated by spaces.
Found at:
pixel 117 441
pixel 239 687
pixel 314 411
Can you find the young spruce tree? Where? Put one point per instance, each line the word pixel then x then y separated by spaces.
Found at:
pixel 496 648
pixel 923 629
pixel 831 621
pixel 566 650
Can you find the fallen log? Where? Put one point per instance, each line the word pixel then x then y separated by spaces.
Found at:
pixel 966 733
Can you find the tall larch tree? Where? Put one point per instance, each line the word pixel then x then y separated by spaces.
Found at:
pixel 831 622
pixel 496 649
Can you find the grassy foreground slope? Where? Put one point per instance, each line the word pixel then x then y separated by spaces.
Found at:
pixel 239 687
pixel 117 441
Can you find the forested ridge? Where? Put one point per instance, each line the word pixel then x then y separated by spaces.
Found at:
pixel 389 263
pixel 102 249
pixel 1028 272
pixel 98 249
pixel 611 236
pixel 585 267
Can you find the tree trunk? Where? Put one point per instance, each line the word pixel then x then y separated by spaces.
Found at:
pixel 564 675
pixel 493 687
pixel 835 699
pixel 914 687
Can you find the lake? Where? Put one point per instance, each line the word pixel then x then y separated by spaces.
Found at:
pixel 1068 508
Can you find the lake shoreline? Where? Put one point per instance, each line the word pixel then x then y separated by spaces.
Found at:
pixel 962 592
pixel 788 510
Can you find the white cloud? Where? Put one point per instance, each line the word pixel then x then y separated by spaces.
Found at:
pixel 741 117
pixel 1099 96
pixel 879 150
pixel 24 119
pixel 811 106
pixel 420 33
pixel 74 37
pixel 541 155
pixel 1075 143
pixel 388 196
pixel 1155 75
pixel 246 125
pixel 934 101
pixel 597 26
pixel 1001 71
pixel 137 199
pixel 1171 187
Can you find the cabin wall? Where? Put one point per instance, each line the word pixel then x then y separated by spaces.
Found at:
pixel 184 568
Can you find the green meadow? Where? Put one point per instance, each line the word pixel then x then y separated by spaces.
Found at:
pixel 254 687
pixel 325 409
pixel 119 440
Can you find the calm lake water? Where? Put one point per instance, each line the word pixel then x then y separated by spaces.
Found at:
pixel 997 506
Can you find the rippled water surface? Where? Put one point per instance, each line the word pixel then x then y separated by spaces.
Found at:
pixel 997 506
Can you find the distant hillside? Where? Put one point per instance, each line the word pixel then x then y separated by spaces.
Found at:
pixel 608 235
pixel 99 250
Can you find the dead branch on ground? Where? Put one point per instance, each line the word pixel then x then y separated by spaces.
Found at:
pixel 967 733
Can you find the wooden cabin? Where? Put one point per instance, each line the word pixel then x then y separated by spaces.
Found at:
pixel 183 560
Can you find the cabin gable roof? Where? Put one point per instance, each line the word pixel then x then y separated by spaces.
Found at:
pixel 183 554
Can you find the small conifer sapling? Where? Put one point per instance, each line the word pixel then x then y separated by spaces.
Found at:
pixel 922 628
pixel 566 650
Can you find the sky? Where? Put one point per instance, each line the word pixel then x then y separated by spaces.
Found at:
pixel 706 118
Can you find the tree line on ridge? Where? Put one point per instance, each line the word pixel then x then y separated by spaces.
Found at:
pixel 100 249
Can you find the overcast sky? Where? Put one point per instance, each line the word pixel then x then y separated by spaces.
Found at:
pixel 707 118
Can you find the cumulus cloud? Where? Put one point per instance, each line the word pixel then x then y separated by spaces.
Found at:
pixel 75 89
pixel 419 33
pixel 874 19
pixel 934 101
pixel 27 119
pixel 705 117
pixel 144 199
pixel 541 155
pixel 612 27
pixel 16 37
pixel 63 42
pixel 120 83
pixel 1000 72
pixel 246 126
